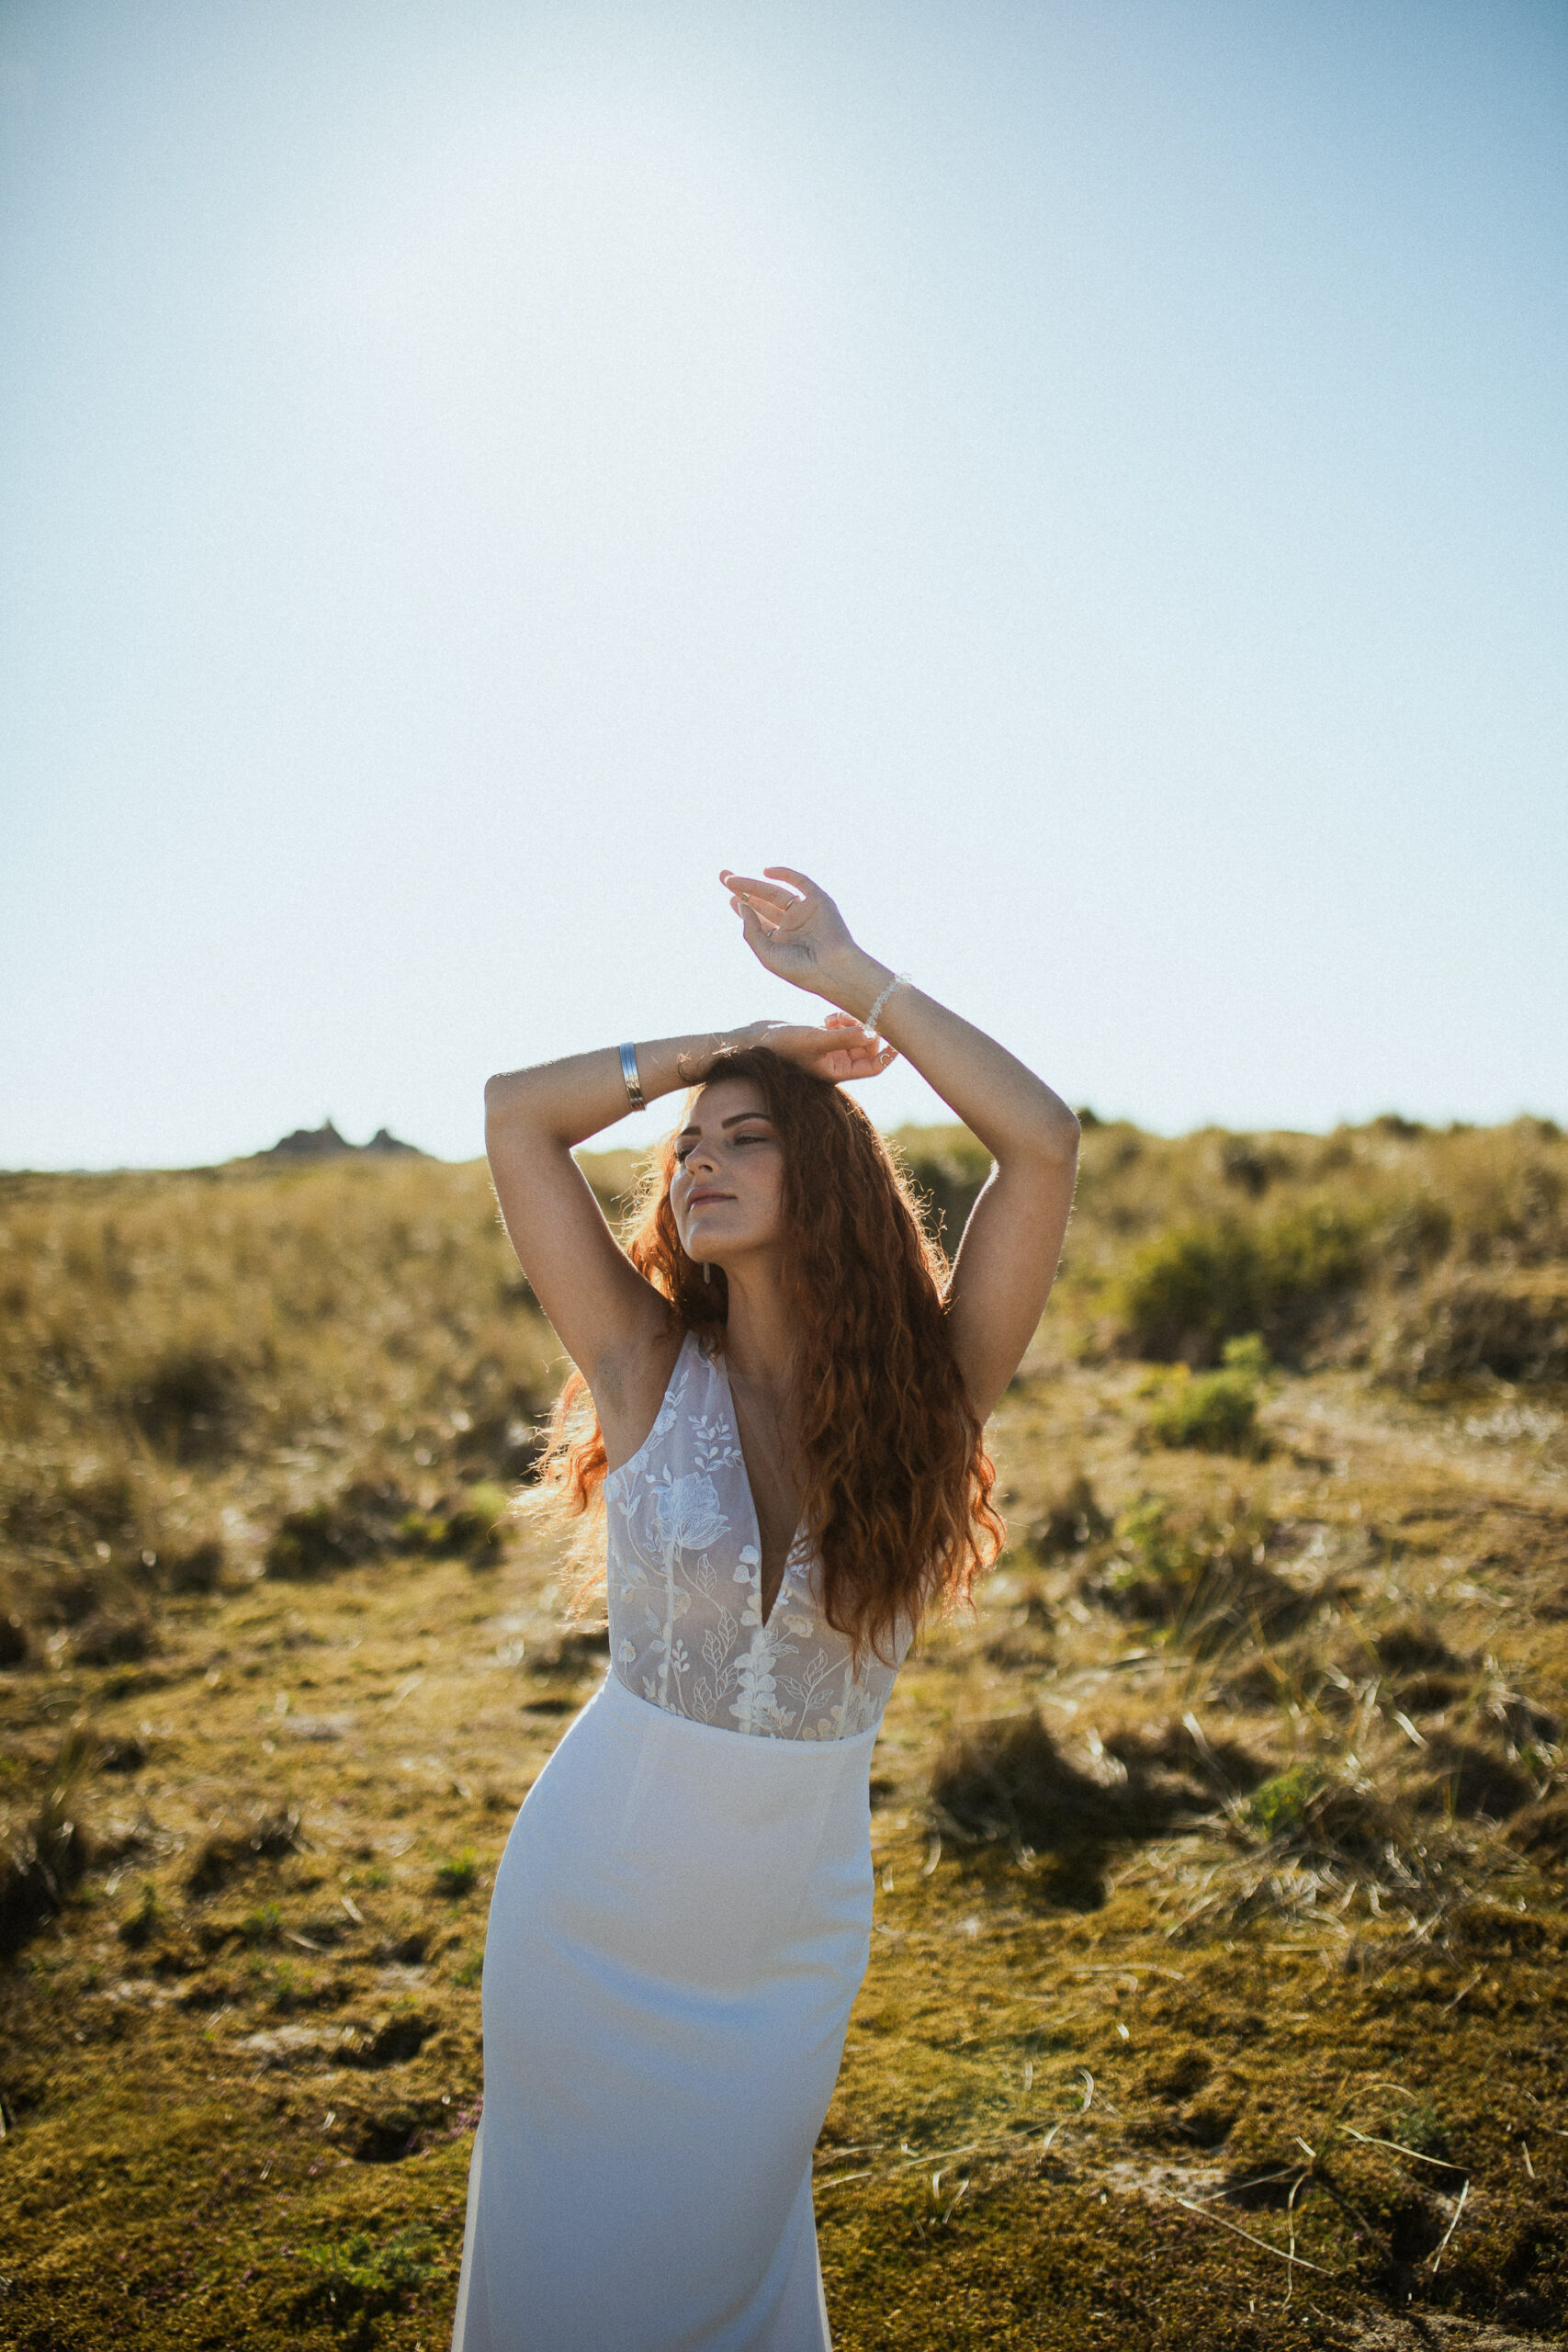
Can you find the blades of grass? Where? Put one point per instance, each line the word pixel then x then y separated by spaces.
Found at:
pixel 1453 2225
pixel 1371 2140
pixel 1298 2261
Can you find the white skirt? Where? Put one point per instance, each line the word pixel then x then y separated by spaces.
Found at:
pixel 680 1921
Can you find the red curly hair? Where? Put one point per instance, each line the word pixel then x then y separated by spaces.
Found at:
pixel 897 1481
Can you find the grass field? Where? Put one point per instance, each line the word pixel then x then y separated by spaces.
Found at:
pixel 1217 1995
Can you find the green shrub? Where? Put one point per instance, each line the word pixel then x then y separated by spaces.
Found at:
pixel 477 1522
pixel 1071 1522
pixel 1201 1285
pixel 195 1569
pixel 1514 1326
pixel 1279 1807
pixel 1330 1811
pixel 263 1926
pixel 1214 1412
pixel 457 1873
pixel 189 1403
pixel 232 1847
pixel 472 1530
pixel 41 1861
pixel 1208 1582
pixel 357 1525
pixel 286 1988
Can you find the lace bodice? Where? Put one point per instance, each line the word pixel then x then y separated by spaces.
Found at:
pixel 685 1584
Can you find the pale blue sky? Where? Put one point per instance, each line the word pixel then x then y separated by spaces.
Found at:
pixel 1087 481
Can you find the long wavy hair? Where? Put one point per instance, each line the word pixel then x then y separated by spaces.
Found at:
pixel 895 1479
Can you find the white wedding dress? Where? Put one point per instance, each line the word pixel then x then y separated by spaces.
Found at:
pixel 680 1921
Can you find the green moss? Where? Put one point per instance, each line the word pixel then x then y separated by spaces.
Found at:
pixel 364 2271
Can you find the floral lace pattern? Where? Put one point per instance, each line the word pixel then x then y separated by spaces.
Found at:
pixel 685 1584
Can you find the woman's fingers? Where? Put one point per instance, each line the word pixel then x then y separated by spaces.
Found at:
pixel 802 882
pixel 748 885
pixel 757 935
pixel 772 915
pixel 864 1060
pixel 839 1053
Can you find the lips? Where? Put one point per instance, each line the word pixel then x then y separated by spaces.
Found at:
pixel 705 1200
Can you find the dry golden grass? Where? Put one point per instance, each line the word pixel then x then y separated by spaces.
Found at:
pixel 1217 1992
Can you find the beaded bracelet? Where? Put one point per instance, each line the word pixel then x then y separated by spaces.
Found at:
pixel 899 980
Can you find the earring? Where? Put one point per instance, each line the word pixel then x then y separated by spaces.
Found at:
pixel 708 1272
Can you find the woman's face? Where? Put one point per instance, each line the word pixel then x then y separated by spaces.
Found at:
pixel 728 1189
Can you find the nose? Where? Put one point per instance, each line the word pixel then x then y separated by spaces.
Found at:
pixel 702 1159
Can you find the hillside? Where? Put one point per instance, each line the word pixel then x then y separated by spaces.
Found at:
pixel 1217 1992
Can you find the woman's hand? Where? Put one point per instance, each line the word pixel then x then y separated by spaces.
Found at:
pixel 839 1049
pixel 797 932
pixel 1005 1263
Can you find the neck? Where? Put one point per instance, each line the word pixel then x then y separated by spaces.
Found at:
pixel 759 1343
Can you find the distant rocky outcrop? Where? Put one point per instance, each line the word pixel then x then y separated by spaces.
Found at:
pixel 325 1143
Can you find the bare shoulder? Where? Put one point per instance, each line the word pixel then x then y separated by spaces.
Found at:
pixel 628 1389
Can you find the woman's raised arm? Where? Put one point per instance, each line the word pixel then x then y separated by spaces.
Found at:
pixel 1007 1259
pixel 605 1315
pixel 601 1308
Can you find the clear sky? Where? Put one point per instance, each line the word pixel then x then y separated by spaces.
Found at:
pixel 1087 481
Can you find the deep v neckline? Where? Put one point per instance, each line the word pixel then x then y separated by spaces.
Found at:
pixel 722 1368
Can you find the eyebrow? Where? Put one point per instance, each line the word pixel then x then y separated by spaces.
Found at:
pixel 733 1121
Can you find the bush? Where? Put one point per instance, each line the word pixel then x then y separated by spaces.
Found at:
pixel 473 1530
pixel 1201 1285
pixel 188 1403
pixel 1279 1807
pixel 477 1521
pixel 1250 1166
pixel 1208 1582
pixel 357 1525
pixel 1513 1327
pixel 367 1520
pixel 42 1863
pixel 116 1634
pixel 1071 1522
pixel 457 1874
pixel 1214 1412
pixel 229 1849
pixel 196 1569
pixel 1331 1813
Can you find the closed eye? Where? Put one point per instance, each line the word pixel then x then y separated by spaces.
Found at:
pixel 684 1149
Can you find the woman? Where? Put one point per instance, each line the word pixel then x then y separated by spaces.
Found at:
pixel 785 1438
